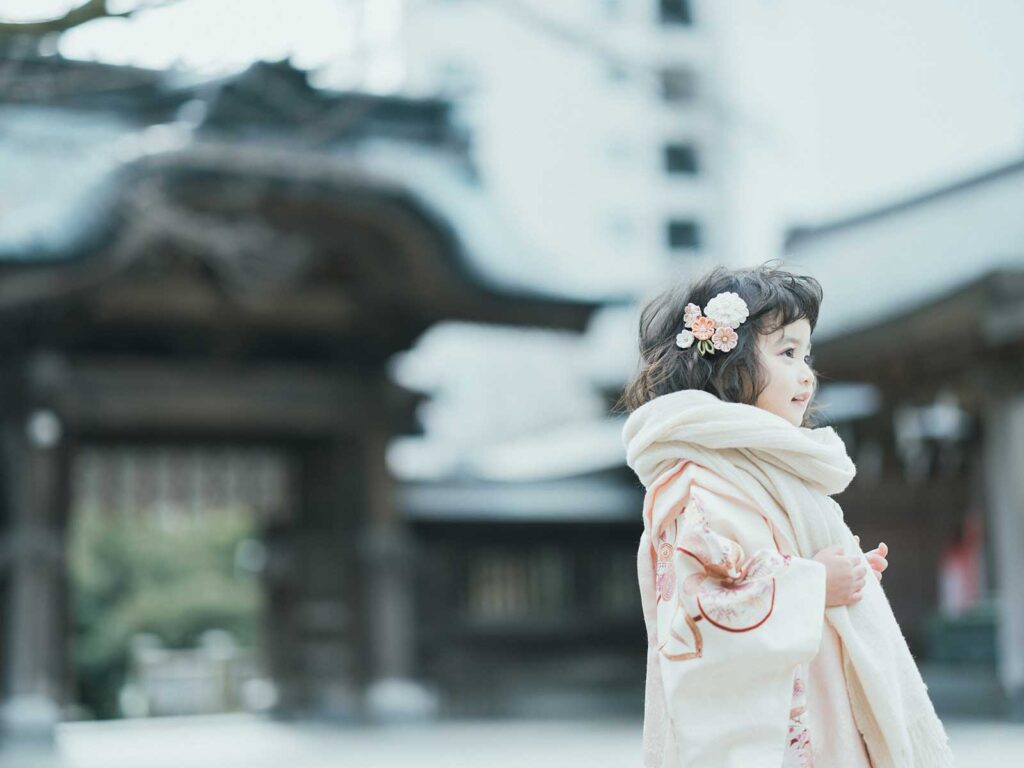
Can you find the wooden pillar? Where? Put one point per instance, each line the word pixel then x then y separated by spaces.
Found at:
pixel 35 483
pixel 282 582
pixel 388 554
pixel 1004 459
pixel 314 588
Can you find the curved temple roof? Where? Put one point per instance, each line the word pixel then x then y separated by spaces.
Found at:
pixel 72 163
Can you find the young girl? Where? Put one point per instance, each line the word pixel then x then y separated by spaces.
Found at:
pixel 767 644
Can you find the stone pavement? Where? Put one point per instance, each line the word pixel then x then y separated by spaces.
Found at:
pixel 249 742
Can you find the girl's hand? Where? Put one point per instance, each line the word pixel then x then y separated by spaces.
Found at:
pixel 844 576
pixel 876 557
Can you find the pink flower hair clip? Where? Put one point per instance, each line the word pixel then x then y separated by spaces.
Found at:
pixel 716 328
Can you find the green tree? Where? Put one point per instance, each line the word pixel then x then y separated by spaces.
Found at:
pixel 173 579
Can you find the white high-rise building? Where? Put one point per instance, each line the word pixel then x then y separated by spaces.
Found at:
pixel 595 122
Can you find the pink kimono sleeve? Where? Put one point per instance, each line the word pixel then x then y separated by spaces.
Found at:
pixel 735 617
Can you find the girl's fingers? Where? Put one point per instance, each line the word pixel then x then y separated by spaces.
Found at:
pixel 878 575
pixel 883 549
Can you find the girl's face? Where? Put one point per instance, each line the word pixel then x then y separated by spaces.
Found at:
pixel 786 358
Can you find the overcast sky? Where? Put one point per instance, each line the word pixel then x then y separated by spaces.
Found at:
pixel 878 97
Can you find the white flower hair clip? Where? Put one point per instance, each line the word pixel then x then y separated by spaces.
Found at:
pixel 716 328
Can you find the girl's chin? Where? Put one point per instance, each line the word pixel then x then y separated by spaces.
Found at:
pixel 796 412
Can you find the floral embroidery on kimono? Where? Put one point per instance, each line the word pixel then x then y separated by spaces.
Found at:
pixel 798 742
pixel 732 592
pixel 730 619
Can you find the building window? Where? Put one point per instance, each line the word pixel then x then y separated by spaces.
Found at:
pixel 680 159
pixel 676 12
pixel 683 233
pixel 678 85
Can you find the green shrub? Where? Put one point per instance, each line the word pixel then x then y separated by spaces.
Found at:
pixel 173 577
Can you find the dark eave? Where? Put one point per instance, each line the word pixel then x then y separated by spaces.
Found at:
pixel 943 336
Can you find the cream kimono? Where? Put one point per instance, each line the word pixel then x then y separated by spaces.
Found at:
pixel 736 620
pixel 732 618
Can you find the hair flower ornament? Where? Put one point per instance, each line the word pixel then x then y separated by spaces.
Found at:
pixel 716 327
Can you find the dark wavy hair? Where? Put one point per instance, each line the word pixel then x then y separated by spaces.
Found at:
pixel 775 298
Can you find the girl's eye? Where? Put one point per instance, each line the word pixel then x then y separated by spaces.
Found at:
pixel 808 358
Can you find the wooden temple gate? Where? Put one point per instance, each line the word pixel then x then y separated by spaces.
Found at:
pixel 245 284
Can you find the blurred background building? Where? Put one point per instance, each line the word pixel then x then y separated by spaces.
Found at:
pixel 618 169
pixel 938 441
pixel 313 326
pixel 182 351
